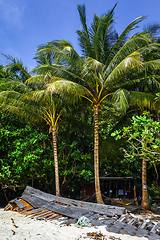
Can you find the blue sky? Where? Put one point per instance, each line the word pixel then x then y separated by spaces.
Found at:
pixel 25 24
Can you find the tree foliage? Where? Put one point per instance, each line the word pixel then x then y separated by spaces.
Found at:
pixel 144 144
pixel 142 137
pixel 25 157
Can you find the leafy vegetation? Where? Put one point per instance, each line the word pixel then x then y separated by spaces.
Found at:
pixel 143 144
pixel 81 98
pixel 24 157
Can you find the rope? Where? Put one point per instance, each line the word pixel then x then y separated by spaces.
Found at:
pixel 111 199
pixel 116 201
pixel 88 197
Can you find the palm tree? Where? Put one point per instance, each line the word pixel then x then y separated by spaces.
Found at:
pixel 12 81
pixel 34 107
pixel 109 68
pixel 32 103
pixel 16 66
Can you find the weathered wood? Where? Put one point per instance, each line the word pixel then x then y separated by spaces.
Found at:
pixel 34 201
pixel 154 228
pixel 67 211
pixel 98 208
pixel 48 215
pixel 19 204
pixel 52 217
pixel 27 210
pixel 132 221
pixel 33 212
pixel 144 224
pixel 43 214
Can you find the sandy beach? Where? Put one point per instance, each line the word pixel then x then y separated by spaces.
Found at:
pixel 16 226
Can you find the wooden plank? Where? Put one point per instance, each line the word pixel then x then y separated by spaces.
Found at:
pixel 144 224
pixel 62 219
pixel 33 213
pixel 19 204
pixel 132 221
pixel 52 217
pixel 27 210
pixel 48 215
pixel 8 207
pixel 39 215
pixel 153 230
pixel 34 201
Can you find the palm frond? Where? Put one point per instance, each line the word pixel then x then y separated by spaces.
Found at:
pixel 36 81
pixel 90 72
pixel 122 38
pixel 44 69
pixel 61 50
pixel 16 66
pixel 143 100
pixel 123 99
pixel 152 28
pixel 14 85
pixel 151 51
pixel 94 64
pixel 135 43
pixel 83 35
pixel 70 90
pixel 120 99
pixel 44 57
pixel 102 35
pixel 152 65
pixel 145 83
pixel 14 103
pixel 36 96
pixel 68 72
pixel 149 84
pixel 132 61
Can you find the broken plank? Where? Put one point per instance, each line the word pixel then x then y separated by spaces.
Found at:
pixel 18 203
pixel 33 212
pixel 42 214
pixel 52 217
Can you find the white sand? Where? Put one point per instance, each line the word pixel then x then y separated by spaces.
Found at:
pixel 15 226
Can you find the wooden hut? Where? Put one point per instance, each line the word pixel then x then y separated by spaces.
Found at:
pixel 111 187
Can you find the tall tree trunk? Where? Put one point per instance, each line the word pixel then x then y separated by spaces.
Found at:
pixel 54 136
pixel 145 202
pixel 96 156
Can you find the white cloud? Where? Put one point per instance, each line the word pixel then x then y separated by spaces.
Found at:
pixel 11 12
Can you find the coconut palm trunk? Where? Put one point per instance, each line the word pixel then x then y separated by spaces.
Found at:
pixel 54 137
pixel 96 156
pixel 145 202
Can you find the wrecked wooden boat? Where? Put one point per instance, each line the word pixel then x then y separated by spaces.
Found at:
pixel 38 204
pixel 42 206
